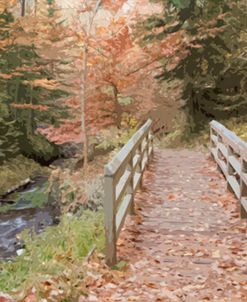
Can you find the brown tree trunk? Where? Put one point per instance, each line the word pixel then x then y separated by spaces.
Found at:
pixel 23 7
pixel 117 105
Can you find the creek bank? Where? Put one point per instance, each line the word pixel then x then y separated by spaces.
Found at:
pixel 26 208
pixel 38 202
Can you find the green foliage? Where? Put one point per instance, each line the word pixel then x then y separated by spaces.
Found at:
pixel 181 4
pixel 20 65
pixel 57 253
pixel 9 139
pixel 214 72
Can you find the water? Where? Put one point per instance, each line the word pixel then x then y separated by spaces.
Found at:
pixel 26 209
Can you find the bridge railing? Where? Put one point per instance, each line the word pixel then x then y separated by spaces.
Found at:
pixel 230 153
pixel 122 177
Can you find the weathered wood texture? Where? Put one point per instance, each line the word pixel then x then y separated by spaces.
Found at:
pixel 230 153
pixel 122 177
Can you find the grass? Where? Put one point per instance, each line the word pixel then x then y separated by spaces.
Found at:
pixel 56 253
pixel 15 170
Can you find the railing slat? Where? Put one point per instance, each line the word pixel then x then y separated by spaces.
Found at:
pixel 122 212
pixel 235 164
pixel 122 185
pixel 137 178
pixel 230 153
pixel 244 207
pixel 123 176
pixel 123 155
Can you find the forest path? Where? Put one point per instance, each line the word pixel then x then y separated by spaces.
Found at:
pixel 186 241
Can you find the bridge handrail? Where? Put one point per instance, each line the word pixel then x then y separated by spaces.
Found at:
pixel 122 177
pixel 230 153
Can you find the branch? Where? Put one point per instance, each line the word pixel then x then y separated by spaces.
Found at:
pixel 144 66
pixel 96 8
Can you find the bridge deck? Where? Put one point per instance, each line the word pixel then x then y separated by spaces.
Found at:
pixel 187 242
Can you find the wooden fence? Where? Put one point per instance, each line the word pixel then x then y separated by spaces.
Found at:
pixel 230 153
pixel 122 177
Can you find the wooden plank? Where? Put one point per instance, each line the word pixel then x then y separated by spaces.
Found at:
pixel 137 178
pixel 144 162
pixel 122 157
pixel 110 226
pixel 244 207
pixel 122 178
pixel 214 153
pixel 244 177
pixel 223 166
pixel 122 185
pixel 235 163
pixel 216 126
pixel 122 212
pixel 223 149
pixel 214 139
pixel 234 185
pixel 228 136
pixel 136 161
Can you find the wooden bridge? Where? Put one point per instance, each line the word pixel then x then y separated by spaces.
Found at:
pixel 186 238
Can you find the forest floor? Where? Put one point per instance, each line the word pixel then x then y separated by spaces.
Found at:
pixel 186 241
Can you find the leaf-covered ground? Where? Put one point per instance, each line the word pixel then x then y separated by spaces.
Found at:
pixel 186 243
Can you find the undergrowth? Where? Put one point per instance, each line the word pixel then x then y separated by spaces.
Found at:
pixel 179 137
pixel 56 253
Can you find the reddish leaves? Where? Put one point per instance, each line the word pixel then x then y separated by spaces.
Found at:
pixel 188 246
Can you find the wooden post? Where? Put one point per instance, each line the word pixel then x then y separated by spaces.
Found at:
pixel 152 142
pixel 230 170
pixel 130 188
pixel 243 187
pixel 110 220
pixel 148 144
pixel 139 167
pixel 116 210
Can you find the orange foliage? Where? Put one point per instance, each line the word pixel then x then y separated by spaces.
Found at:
pixel 30 106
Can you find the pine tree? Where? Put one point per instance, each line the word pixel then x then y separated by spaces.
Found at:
pixel 211 61
pixel 28 92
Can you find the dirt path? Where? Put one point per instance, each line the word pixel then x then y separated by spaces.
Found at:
pixel 186 242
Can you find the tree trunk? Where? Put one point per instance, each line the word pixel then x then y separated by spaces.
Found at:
pixel 16 99
pixel 23 7
pixel 83 95
pixel 117 105
pixel 30 115
pixel 35 7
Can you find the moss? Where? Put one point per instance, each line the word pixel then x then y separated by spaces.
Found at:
pixel 15 170
pixel 40 149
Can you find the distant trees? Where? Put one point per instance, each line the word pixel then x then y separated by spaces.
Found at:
pixel 210 58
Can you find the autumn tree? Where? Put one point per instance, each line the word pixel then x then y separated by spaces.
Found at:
pixel 27 87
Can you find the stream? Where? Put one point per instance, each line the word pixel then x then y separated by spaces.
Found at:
pixel 26 208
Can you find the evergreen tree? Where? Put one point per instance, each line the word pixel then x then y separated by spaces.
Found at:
pixel 214 69
pixel 28 93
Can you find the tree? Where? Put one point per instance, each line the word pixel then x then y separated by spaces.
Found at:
pixel 27 87
pixel 210 61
